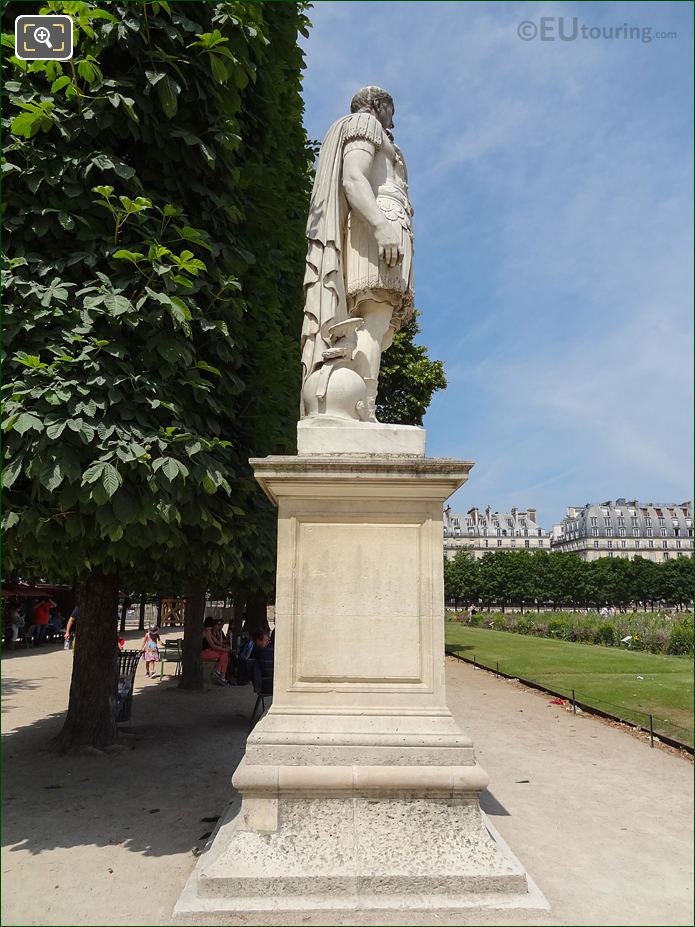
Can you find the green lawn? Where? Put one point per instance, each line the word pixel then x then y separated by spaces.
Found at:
pixel 604 677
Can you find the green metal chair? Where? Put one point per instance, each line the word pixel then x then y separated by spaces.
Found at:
pixel 171 652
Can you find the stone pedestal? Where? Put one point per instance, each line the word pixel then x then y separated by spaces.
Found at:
pixel 359 789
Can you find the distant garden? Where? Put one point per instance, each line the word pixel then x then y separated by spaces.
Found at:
pixel 654 632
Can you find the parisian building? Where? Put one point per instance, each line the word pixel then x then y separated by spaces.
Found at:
pixel 655 531
pixel 482 531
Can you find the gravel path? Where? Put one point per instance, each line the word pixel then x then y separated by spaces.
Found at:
pixel 602 822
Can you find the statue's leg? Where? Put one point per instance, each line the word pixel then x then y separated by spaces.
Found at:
pixel 372 339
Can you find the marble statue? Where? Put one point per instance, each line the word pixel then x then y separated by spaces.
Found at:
pixel 358 283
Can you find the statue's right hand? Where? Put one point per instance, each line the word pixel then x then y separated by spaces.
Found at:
pixel 389 242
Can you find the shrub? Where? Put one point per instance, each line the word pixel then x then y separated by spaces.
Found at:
pixel 525 625
pixel 499 623
pixel 680 640
pixel 606 635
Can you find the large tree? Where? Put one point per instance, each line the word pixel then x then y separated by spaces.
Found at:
pixel 408 379
pixel 155 190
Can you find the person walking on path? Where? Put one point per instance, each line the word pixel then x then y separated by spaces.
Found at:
pixel 71 629
pixel 150 648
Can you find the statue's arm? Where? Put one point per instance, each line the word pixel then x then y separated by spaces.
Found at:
pixel 357 164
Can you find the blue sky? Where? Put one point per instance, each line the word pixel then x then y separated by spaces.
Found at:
pixel 552 188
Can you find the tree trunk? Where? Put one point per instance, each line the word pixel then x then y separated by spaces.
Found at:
pixel 257 611
pixel 141 622
pixel 191 664
pixel 91 717
pixel 237 618
pixel 124 612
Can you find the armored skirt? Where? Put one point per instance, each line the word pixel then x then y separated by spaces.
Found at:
pixel 368 277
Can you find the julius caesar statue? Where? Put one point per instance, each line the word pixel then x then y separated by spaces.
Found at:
pixel 358 283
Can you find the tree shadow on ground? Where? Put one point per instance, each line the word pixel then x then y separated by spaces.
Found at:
pixel 11 687
pixel 182 748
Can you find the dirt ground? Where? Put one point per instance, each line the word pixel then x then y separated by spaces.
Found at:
pixel 603 823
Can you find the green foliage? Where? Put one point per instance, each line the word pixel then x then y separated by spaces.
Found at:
pixel 526 579
pixel 408 379
pixel 655 632
pixel 680 639
pixel 155 194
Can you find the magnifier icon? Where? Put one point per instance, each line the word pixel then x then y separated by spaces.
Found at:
pixel 43 36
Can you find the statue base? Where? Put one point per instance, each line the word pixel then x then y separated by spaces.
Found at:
pixel 359 789
pixel 322 434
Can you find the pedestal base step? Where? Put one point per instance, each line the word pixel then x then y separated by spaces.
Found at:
pixel 358 854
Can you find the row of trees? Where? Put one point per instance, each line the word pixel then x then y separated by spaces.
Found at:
pixel 525 579
pixel 156 192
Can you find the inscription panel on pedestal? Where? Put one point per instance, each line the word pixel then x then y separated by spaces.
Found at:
pixel 358 609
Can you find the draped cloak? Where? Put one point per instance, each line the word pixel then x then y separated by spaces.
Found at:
pixel 325 301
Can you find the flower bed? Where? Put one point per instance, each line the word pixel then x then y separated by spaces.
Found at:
pixel 657 632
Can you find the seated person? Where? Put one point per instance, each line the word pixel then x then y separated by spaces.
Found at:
pixel 262 663
pixel 215 649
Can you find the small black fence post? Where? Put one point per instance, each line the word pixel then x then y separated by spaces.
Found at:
pixel 651 730
pixel 574 703
pixel 497 669
pixel 475 665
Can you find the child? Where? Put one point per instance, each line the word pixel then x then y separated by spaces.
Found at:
pixel 150 647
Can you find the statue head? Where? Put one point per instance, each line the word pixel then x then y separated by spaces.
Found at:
pixel 376 101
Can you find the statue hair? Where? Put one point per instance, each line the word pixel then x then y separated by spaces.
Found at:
pixel 369 97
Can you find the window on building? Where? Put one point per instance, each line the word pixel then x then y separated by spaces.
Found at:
pixel 594 532
pixel 637 544
pixel 635 532
pixel 650 532
pixel 651 543
pixel 499 543
pixel 606 522
pixel 610 553
pixel 539 532
pixel 595 543
pixel 487 543
pixel 623 543
pixel 540 543
pixel 662 522
pixel 610 544
pixel 513 542
pixel 527 543
pixel 609 532
pixel 648 522
pixel 499 532
pixel 665 555
pixel 622 532
pixel 665 544
pixel 621 521
pixel 594 520
pixel 634 521
pixel 663 532
pixel 678 544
